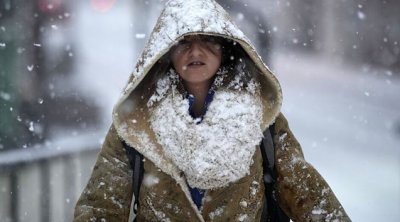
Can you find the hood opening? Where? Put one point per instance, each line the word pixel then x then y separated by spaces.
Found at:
pixel 234 54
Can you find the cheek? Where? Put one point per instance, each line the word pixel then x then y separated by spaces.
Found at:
pixel 218 59
pixel 177 65
pixel 175 61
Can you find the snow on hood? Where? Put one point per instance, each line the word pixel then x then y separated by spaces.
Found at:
pixel 178 19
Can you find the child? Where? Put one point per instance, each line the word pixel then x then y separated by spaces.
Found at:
pixel 197 108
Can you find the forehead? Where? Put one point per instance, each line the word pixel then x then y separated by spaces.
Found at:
pixel 202 37
pixel 193 37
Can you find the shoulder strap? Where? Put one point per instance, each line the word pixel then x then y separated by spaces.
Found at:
pixel 271 211
pixel 136 162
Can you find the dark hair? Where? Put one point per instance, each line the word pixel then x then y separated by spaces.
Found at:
pixel 236 62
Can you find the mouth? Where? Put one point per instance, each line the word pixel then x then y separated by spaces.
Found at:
pixel 196 63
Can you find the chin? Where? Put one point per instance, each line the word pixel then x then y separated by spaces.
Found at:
pixel 196 79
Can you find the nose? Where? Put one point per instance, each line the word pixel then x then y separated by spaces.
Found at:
pixel 195 48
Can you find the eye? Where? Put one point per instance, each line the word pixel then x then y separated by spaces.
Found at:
pixel 181 46
pixel 209 40
pixel 212 42
pixel 183 42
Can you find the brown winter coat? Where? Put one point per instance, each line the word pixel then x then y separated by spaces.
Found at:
pixel 301 192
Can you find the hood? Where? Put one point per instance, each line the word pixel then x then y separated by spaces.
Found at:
pixel 178 19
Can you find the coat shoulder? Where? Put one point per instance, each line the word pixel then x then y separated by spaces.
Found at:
pixel 108 192
pixel 302 192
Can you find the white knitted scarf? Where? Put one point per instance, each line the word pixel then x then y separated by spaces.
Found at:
pixel 217 151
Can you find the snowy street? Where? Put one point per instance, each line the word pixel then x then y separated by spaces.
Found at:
pixel 346 118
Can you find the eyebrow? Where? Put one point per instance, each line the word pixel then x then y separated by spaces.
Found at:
pixel 201 37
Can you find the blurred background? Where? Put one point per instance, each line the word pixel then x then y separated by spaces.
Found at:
pixel 64 63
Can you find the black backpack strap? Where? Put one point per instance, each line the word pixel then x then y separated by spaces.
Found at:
pixel 271 211
pixel 136 162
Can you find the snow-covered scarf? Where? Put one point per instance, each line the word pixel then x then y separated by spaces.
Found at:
pixel 217 151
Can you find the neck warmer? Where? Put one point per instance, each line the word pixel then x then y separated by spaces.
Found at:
pixel 217 151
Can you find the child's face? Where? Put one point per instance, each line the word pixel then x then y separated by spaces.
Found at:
pixel 197 58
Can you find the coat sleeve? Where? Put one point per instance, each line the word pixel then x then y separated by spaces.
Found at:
pixel 302 193
pixel 108 194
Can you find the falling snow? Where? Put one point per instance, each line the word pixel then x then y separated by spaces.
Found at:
pixel 140 35
pixel 327 94
pixel 31 128
pixel 361 15
pixel 30 67
pixel 5 96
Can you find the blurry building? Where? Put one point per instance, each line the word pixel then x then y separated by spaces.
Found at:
pixel 37 59
pixel 361 31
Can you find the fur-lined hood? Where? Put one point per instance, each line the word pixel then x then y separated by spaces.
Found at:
pixel 180 18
